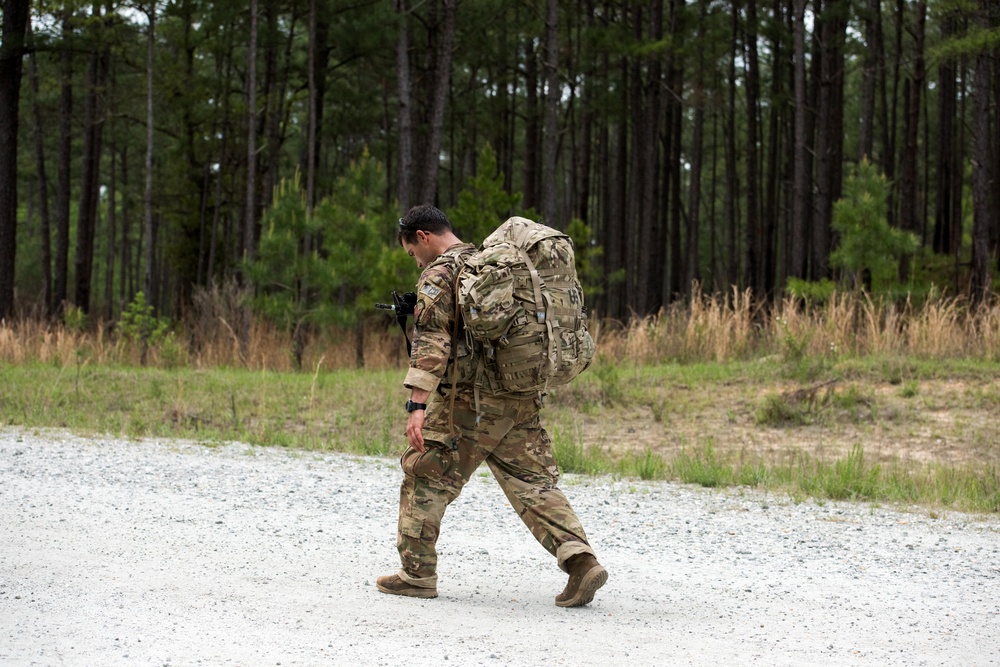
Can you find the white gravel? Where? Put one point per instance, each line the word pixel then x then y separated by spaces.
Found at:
pixel 170 553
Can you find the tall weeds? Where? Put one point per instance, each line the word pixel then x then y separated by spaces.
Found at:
pixel 730 327
pixel 218 331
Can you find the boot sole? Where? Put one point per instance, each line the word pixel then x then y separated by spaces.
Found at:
pixel 424 593
pixel 594 579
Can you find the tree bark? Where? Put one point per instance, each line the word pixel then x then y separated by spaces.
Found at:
pixel 224 161
pixel 585 153
pixel 993 20
pixel 124 260
pixel 148 284
pixel 912 92
pixel 732 178
pixel 868 79
pixel 776 114
pixel 532 131
pixel 982 178
pixel 275 92
pixel 697 154
pixel 250 215
pixel 322 57
pixel 439 101
pixel 64 166
pixel 112 218
pixel 797 263
pixel 946 175
pixel 959 183
pixel 12 48
pixel 405 106
pixel 672 196
pixel 43 183
pixel 93 130
pixel 754 237
pixel 553 92
pixel 311 128
pixel 890 121
pixel 647 237
pixel 829 131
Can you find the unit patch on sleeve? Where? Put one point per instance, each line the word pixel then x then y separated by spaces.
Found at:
pixel 430 290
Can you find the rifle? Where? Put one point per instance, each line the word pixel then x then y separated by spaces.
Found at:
pixel 403 305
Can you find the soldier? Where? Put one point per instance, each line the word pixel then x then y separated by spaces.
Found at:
pixel 448 438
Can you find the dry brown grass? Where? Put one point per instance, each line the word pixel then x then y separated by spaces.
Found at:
pixel 721 327
pixel 730 327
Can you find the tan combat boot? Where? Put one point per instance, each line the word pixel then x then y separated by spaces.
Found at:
pixel 585 576
pixel 394 585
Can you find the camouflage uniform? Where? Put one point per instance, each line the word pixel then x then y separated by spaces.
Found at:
pixel 504 431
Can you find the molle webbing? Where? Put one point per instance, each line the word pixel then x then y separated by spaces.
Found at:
pixel 521 301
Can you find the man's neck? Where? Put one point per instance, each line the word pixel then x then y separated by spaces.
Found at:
pixel 444 241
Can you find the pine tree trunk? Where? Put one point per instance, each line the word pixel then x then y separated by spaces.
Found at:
pixel 148 284
pixel 15 24
pixel 697 154
pixel 43 185
pixel 64 167
pixel 223 160
pixel 993 20
pixel 982 178
pixel 311 126
pixel 532 131
pixel 124 260
pixel 732 180
pixel 648 236
pixel 93 131
pixel 250 213
pixel 405 106
pixel 112 219
pixel 944 185
pixel 890 122
pixel 439 101
pixel 550 180
pixel 957 217
pixel 829 132
pixel 797 263
pixel 754 237
pixel 771 215
pixel 868 80
pixel 912 91
pixel 671 194
pixel 585 153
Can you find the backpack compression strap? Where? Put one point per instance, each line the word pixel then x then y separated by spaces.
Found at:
pixel 453 355
pixel 542 314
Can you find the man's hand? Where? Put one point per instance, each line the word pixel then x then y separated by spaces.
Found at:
pixel 415 430
pixel 415 424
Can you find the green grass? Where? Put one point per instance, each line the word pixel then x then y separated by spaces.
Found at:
pixel 360 411
pixel 350 411
pixel 849 478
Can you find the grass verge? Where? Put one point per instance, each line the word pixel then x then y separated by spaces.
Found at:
pixel 359 411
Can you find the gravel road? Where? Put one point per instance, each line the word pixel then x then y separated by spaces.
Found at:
pixel 169 553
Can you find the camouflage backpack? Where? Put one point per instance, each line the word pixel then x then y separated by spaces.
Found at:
pixel 520 298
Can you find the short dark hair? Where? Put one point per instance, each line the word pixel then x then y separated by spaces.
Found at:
pixel 423 218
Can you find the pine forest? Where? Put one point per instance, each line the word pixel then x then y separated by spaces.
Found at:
pixel 158 149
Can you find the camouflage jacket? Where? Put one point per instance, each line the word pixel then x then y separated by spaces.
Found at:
pixel 434 317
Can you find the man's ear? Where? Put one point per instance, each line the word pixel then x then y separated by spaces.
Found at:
pixel 422 236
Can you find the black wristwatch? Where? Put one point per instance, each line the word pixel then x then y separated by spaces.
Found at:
pixel 411 406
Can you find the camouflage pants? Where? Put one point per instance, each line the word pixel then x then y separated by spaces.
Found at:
pixel 519 453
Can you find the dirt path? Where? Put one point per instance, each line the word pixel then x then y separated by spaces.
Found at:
pixel 955 423
pixel 166 553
